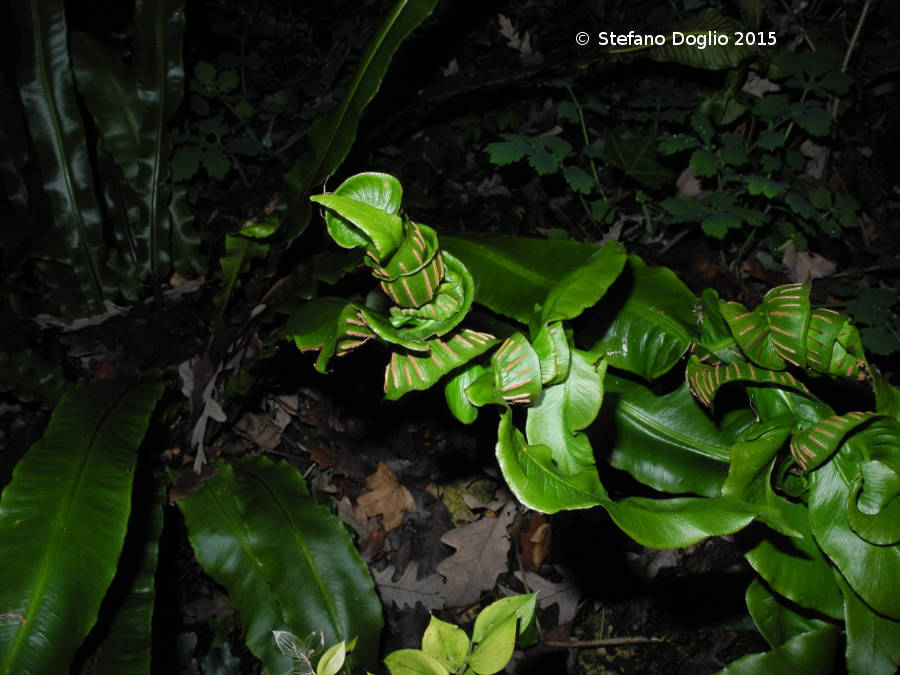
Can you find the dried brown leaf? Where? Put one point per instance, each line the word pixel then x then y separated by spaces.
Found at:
pixel 386 498
pixel 481 551
pixel 565 593
pixel 409 589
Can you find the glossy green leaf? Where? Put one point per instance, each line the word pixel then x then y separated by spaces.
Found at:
pixel 870 570
pixel 873 508
pixel 222 548
pixel 534 478
pixel 380 190
pixel 417 251
pixel 775 620
pixel 494 633
pixel 705 381
pixel 712 56
pixel 520 607
pixel 332 136
pixel 751 460
pixel 414 662
pixel 716 341
pixel 795 567
pixel 159 76
pixel 873 641
pixel 447 643
pixel 812 652
pixel 47 89
pixel 771 403
pixel 887 397
pixel 584 285
pixel 307 558
pixel 110 92
pixel 126 647
pixel 384 230
pixel 455 393
pixel 313 324
pixel 62 522
pixel 286 561
pixel 775 331
pixel 495 650
pixel 514 274
pixel 652 329
pixel 563 410
pixel 552 346
pixel 667 442
pixel 681 521
pixel 331 662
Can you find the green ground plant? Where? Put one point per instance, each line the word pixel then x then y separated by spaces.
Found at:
pixel 746 152
pixel 759 177
pixel 825 482
pixel 445 648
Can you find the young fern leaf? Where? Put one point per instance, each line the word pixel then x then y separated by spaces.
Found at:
pixel 410 328
pixel 383 230
pixel 705 381
pixel 552 346
pixel 716 344
pixel 833 345
pixel 517 370
pixel 408 371
pixel 873 506
pixel 329 325
pixel 776 330
pixel 412 273
pixel 812 446
pixel 432 291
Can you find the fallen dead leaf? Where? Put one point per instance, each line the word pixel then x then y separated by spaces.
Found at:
pixel 355 518
pixel 481 551
pixel 689 185
pixel 386 498
pixel 564 594
pixel 540 541
pixel 817 158
pixel 758 86
pixel 803 265
pixel 409 589
pixel 261 429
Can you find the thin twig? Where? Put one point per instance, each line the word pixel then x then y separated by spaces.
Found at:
pixel 836 101
pixel 855 37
